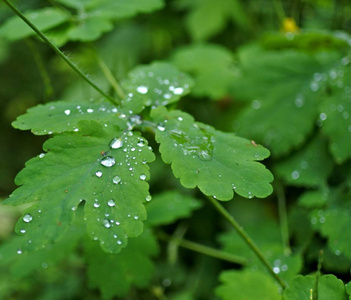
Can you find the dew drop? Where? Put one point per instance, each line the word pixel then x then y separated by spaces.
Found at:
pixel 19 251
pixel 27 218
pixel 106 223
pixel 96 204
pixel 142 177
pixel 160 127
pixel 41 155
pixel 276 270
pixel 256 104
pixel 178 91
pixel 142 89
pixel 22 231
pixel 90 110
pixel 67 112
pixel 116 143
pixel 98 173
pixel 119 242
pixel 116 179
pixel 180 119
pixel 323 116
pixel 295 175
pixel 136 217
pixel 148 198
pixel 111 203
pixel 108 161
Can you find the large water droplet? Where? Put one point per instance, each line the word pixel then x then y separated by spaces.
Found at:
pixel 116 143
pixel 178 91
pixel 108 161
pixel 142 89
pixel 27 218
pixel 116 179
pixel 111 203
pixel 67 112
pixel 142 177
pixel 106 223
pixel 148 198
pixel 96 205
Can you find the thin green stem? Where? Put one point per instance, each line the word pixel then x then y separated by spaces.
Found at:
pixel 318 274
pixel 59 52
pixel 247 239
pixel 108 75
pixel 49 91
pixel 283 218
pixel 203 249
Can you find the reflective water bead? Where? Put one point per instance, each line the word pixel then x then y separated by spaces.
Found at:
pixel 116 143
pixel 19 251
pixel 108 161
pixel 295 175
pixel 142 89
pixel 136 217
pixel 98 173
pixel 142 177
pixel 27 218
pixel 106 223
pixel 41 155
pixel 96 205
pixel 119 242
pixel 67 112
pixel 111 203
pixel 148 198
pixel 90 110
pixel 160 127
pixel 116 179
pixel 22 231
pixel 178 91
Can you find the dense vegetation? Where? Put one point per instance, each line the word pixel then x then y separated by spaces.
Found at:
pixel 183 149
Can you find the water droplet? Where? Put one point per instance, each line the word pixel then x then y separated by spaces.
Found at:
pixel 22 231
pixel 142 89
pixel 67 112
pixel 74 208
pixel 284 268
pixel 161 127
pixel 276 270
pixel 178 91
pixel 44 265
pixel 90 110
pixel 299 101
pixel 323 116
pixel 180 119
pixel 119 242
pixel 116 143
pixel 256 104
pixel 96 204
pixel 148 198
pixel 337 252
pixel 98 173
pixel 111 203
pixel 41 155
pixel 295 175
pixel 108 161
pixel 27 218
pixel 136 217
pixel 142 177
pixel 314 86
pixel 106 223
pixel 19 251
pixel 116 179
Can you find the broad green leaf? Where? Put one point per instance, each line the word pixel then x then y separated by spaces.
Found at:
pixel 336 112
pixel 157 84
pixel 206 18
pixel 247 285
pixel 217 163
pixel 114 274
pixel 309 167
pixel 212 67
pixel 284 89
pixel 103 166
pixel 44 19
pixel 90 28
pixel 329 287
pixel 61 116
pixel 169 206
pixel 334 223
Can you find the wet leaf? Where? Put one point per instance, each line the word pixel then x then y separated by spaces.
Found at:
pixel 104 167
pixel 196 151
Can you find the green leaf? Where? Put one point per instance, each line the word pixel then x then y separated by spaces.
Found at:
pixel 156 84
pixel 114 274
pixel 247 285
pixel 348 289
pixel 61 116
pixel 44 19
pixel 90 28
pixel 212 67
pixel 167 207
pixel 313 199
pixel 103 166
pixel 207 17
pixel 329 287
pixel 284 89
pixel 217 163
pixel 336 112
pixel 304 168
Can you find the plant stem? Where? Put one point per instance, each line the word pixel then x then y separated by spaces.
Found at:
pixel 283 218
pixel 318 274
pixel 108 75
pixel 247 239
pixel 59 52
pixel 203 249
pixel 49 91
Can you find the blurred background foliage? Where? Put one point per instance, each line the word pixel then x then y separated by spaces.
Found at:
pixel 254 63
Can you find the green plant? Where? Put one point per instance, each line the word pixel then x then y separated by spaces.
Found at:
pixel 88 218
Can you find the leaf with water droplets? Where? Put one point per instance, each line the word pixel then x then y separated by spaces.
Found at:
pixel 212 67
pixel 329 287
pixel 218 163
pixel 114 274
pixel 247 284
pixel 14 28
pixel 310 166
pixel 61 116
pixel 157 84
pixel 169 206
pixel 82 166
pixel 285 89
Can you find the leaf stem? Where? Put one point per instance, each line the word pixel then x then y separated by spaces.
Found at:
pixel 283 218
pixel 203 249
pixel 59 52
pixel 49 91
pixel 247 239
pixel 318 274
pixel 108 74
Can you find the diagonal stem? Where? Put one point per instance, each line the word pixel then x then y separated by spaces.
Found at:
pixel 60 53
pixel 247 240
